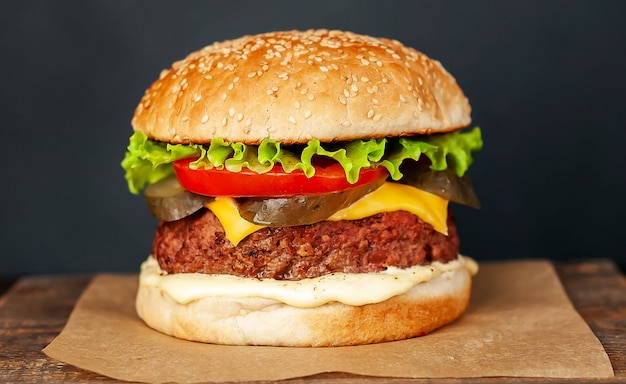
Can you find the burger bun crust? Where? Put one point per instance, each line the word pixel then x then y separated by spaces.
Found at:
pixel 294 86
pixel 259 321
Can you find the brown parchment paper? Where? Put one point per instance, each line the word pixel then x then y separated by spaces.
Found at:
pixel 520 323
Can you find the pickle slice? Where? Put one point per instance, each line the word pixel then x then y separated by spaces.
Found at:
pixel 446 184
pixel 168 201
pixel 300 209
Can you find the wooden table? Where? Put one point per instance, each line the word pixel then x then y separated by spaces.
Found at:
pixel 35 309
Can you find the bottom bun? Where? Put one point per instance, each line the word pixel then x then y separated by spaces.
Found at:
pixel 258 321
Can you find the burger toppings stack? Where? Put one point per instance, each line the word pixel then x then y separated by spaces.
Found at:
pixel 301 182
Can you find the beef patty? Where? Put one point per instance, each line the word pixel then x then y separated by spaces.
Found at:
pixel 198 243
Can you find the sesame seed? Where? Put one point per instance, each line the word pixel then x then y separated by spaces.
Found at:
pixel 224 122
pixel 251 74
pixel 231 112
pixel 224 96
pixel 185 118
pixel 311 96
pixel 375 101
pixel 365 79
pixel 346 93
pixel 239 116
pixel 296 104
pixel 307 114
pixel 323 68
pixel 346 123
pixel 292 119
pixel 342 100
pixel 304 90
pixel 249 122
pixel 402 99
pixel 377 117
pixel 204 119
pixel 370 113
pixel 230 86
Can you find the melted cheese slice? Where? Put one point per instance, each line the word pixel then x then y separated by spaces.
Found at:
pixel 348 288
pixel 388 198
pixel 235 226
pixel 399 197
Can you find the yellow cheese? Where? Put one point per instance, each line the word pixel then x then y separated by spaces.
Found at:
pixel 235 226
pixel 347 288
pixel 399 197
pixel 388 198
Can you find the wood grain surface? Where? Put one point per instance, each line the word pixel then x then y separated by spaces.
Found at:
pixel 34 310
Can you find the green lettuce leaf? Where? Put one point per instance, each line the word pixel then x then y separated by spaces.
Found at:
pixel 148 161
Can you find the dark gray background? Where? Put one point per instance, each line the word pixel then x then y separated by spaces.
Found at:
pixel 546 80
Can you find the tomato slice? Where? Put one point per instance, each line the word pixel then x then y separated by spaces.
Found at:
pixel 276 182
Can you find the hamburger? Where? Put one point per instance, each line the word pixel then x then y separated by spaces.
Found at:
pixel 301 181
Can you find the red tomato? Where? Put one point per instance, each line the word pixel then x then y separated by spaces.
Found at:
pixel 220 182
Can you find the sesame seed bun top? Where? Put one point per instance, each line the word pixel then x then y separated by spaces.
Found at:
pixel 294 86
